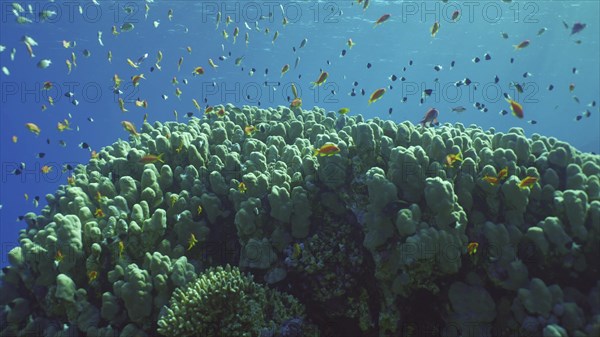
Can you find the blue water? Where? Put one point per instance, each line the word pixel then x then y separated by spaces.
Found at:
pixel 389 48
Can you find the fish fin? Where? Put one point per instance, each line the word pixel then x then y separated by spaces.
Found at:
pixel 316 152
pixel 159 158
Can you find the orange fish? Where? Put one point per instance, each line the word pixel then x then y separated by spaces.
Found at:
pixel 198 71
pixel 516 108
pixel 150 158
pixel 571 87
pixel 527 182
pixel 492 180
pixel 99 213
pixel 322 78
pixel 59 256
pixel 472 248
pixel 453 158
pixel 376 95
pixel 92 275
pixel 503 173
pixel 46 169
pixel 129 127
pixel 136 79
pixel 249 130
pixel 521 45
pixel 328 149
pixel 296 103
pixel 381 20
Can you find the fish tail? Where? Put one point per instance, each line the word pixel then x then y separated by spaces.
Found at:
pixel 159 158
pixel 316 152
pixel 459 156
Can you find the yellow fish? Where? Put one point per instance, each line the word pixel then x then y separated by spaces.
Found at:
pixel 131 63
pixel 122 105
pixel 192 241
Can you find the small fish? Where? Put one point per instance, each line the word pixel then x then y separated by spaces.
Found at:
pixel 455 15
pixel 212 64
pixel 58 257
pixel 199 210
pixel 381 20
pixel 131 63
pixel 43 64
pixel 438 68
pixel 491 180
pixel 350 43
pixel 542 31
pixel 504 35
pixel 122 105
pixel 472 248
pixel 178 93
pixel 527 182
pixel 431 117
pixel 150 158
pixel 192 241
pixel 285 69
pixel 451 159
pixel 459 109
pixel 435 28
pixel 46 169
pixel 296 103
pixel 522 45
pixel 129 127
pixel 577 27
pixel 92 275
pixel 249 130
pixel 516 108
pixel 121 245
pixel 33 128
pixel 297 62
pixel 136 79
pixel 571 87
pixel 238 61
pixel 503 174
pixel 329 149
pixel 303 43
pixel 275 36
pixel 322 78
pixel 242 187
pixel 343 111
pixel 376 95
pixel 179 63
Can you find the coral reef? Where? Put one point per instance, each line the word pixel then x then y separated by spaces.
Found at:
pixel 370 239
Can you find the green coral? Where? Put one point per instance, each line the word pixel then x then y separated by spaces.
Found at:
pixel 224 302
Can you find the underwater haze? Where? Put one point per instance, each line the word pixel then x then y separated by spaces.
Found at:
pixel 456 75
